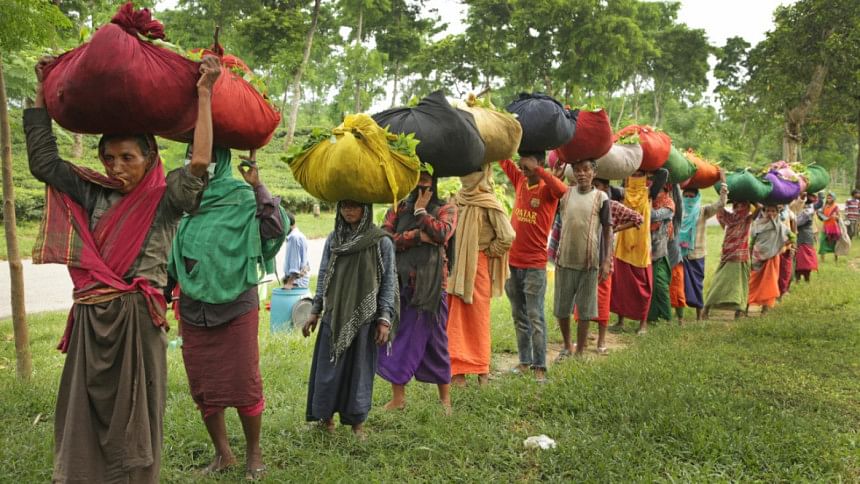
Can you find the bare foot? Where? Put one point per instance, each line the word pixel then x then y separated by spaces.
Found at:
pixel 446 407
pixel 219 464
pixel 395 405
pixel 483 379
pixel 458 380
pixel 358 431
pixel 327 425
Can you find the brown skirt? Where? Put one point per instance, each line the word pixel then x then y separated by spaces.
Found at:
pixel 223 362
pixel 110 405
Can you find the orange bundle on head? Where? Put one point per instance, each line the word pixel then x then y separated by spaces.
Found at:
pixel 707 174
pixel 655 145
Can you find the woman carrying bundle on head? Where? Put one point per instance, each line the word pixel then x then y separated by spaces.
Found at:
pixel 484 237
pixel 692 241
pixel 829 214
pixel 422 227
pixel 632 284
pixel 730 285
pixel 218 255
pixel 356 305
pixel 114 232
pixel 769 238
pixel 805 259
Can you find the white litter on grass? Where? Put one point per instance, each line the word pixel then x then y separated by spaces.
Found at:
pixel 539 442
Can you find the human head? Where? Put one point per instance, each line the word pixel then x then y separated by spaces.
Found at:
pixel 811 198
pixel 351 211
pixel 771 211
pixel 831 197
pixel 127 158
pixel 539 157
pixel 583 173
pixel 855 193
pixel 691 192
pixel 601 184
pixel 292 219
pixel 425 182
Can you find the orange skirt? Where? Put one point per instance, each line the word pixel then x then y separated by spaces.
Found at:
pixel 469 326
pixel 604 297
pixel 764 284
pixel 677 296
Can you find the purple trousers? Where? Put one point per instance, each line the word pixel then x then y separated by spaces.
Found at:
pixel 420 347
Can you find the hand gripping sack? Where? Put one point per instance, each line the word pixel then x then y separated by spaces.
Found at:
pixel 242 118
pixel 119 83
pixel 450 140
pixel 784 191
pixel 592 137
pixel 745 187
pixel 707 174
pixel 356 163
pixel 620 162
pixel 500 131
pixel 680 168
pixel 546 123
pixel 655 145
pixel 817 178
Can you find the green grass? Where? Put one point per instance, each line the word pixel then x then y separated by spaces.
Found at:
pixel 775 398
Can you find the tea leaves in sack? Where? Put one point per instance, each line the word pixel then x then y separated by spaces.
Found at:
pixel 817 178
pixel 744 186
pixel 450 140
pixel 707 174
pixel 358 161
pixel 679 167
pixel 500 131
pixel 655 145
pixel 621 161
pixel 123 81
pixel 546 123
pixel 591 139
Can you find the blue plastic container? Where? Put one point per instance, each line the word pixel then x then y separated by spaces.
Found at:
pixel 280 318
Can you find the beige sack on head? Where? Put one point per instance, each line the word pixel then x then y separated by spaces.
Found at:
pixel 621 162
pixel 500 131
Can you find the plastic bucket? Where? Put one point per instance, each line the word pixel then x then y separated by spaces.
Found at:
pixel 280 318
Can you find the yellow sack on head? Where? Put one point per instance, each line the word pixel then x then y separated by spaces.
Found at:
pixel 356 163
pixel 500 131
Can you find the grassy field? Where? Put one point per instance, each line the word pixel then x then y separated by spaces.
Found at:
pixel 773 398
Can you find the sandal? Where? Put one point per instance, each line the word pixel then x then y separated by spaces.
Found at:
pixel 562 355
pixel 255 474
pixel 602 350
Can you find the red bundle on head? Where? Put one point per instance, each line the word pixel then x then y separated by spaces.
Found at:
pixel 242 118
pixel 120 83
pixel 655 145
pixel 592 138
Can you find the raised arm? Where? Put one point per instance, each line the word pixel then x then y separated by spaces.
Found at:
pixel 514 174
pixel 201 154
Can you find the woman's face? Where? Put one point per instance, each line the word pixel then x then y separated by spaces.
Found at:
pixel 771 212
pixel 830 199
pixel 351 212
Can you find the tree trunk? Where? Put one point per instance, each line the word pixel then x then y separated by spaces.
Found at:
pixel 636 99
pixel 396 78
pixel 656 104
pixel 297 81
pixel 795 117
pixel 23 364
pixel 621 112
pixel 857 173
pixel 754 152
pixel 284 100
pixel 78 146
pixel 358 39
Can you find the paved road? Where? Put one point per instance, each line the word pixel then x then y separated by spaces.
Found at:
pixel 48 287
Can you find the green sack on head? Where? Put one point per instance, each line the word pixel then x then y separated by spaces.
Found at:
pixel 357 162
pixel 817 177
pixel 746 187
pixel 680 168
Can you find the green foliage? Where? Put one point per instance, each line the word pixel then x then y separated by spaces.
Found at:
pixel 770 399
pixel 27 22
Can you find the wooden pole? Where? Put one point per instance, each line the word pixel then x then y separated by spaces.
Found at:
pixel 23 363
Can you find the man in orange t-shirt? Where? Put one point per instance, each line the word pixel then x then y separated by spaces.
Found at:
pixel 537 194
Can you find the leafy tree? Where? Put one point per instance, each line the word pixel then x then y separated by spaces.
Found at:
pixel 22 23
